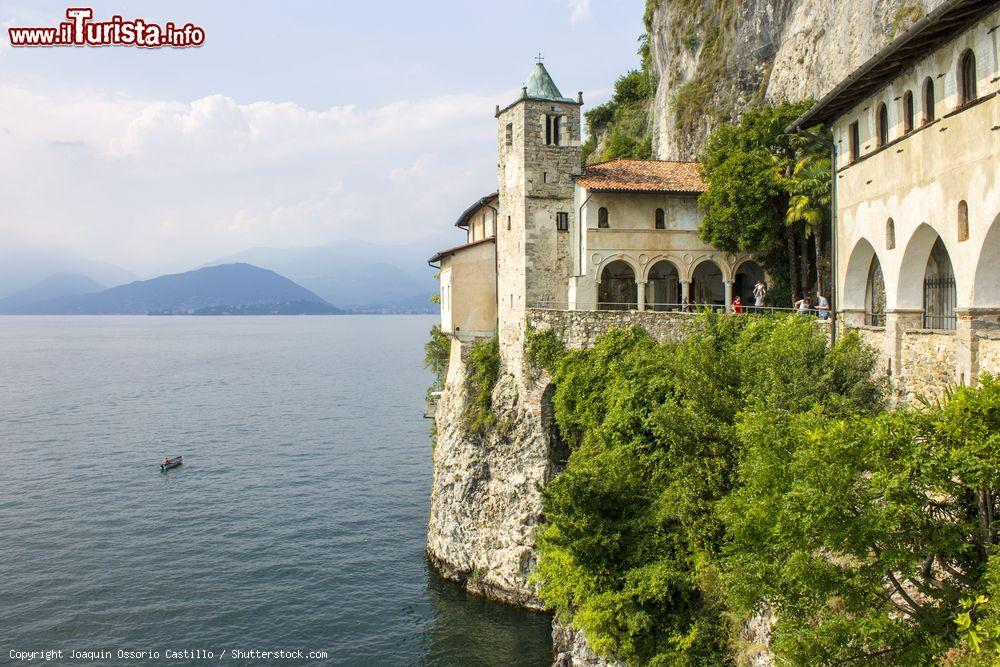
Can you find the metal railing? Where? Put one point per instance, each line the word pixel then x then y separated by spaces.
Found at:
pixel 681 308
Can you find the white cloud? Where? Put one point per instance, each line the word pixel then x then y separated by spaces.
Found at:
pixel 579 10
pixel 164 184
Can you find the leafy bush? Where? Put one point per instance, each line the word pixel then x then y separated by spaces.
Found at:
pixel 865 531
pixel 633 549
pixel 544 348
pixel 484 365
pixel 437 352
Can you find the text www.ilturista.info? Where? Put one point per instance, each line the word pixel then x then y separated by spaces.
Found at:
pixel 80 30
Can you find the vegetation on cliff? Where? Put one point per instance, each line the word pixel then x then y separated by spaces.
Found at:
pixel 753 464
pixel 437 351
pixel 769 194
pixel 484 371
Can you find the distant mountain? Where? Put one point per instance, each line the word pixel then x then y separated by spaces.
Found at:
pixel 357 275
pixel 53 287
pixel 230 286
pixel 22 268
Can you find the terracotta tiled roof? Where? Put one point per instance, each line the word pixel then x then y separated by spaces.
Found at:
pixel 625 175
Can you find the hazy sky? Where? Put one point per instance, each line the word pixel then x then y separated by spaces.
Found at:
pixel 298 123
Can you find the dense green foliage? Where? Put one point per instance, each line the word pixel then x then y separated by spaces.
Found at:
pixel 769 194
pixel 635 538
pixel 484 371
pixel 866 532
pixel 544 348
pixel 752 464
pixel 437 351
pixel 620 126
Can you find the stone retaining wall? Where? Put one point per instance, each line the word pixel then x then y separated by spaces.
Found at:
pixel 580 328
pixel 927 364
pixel 989 352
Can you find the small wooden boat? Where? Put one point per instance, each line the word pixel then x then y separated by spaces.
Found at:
pixel 171 463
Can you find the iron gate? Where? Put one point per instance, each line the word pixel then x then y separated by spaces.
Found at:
pixel 940 296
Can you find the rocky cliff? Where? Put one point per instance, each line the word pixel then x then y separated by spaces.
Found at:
pixel 713 58
pixel 486 497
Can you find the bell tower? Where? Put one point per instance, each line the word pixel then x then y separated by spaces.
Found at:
pixel 538 136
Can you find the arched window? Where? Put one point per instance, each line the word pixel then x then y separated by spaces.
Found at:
pixel 967 79
pixel 661 222
pixel 875 295
pixel 963 221
pixel 602 218
pixel 890 234
pixel 882 125
pixel 908 112
pixel 929 102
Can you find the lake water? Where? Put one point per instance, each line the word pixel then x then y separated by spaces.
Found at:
pixel 297 521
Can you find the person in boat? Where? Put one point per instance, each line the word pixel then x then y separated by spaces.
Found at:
pixel 166 460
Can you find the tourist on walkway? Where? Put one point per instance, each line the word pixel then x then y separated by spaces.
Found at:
pixel 802 306
pixel 822 307
pixel 738 306
pixel 759 292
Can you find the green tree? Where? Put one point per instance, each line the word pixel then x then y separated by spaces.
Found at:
pixel 632 549
pixel 751 172
pixel 865 533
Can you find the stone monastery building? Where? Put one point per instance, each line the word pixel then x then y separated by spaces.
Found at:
pixel 621 235
pixel 916 133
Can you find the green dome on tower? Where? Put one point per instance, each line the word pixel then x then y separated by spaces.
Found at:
pixel 540 86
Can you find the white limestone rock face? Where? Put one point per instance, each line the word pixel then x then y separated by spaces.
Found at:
pixel 571 650
pixel 776 50
pixel 486 499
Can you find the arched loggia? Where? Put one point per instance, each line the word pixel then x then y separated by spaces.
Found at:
pixel 618 290
pixel 663 286
pixel 927 279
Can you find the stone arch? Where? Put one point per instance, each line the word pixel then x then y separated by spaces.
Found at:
pixel 748 272
pixel 708 283
pixel 986 284
pixel 663 284
pixel 909 290
pixel 618 289
pixel 854 295
pixel 619 257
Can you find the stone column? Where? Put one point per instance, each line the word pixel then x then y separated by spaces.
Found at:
pixel 641 295
pixel 685 291
pixel 729 295
pixel 966 347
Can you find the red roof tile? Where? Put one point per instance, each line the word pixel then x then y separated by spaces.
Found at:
pixel 626 175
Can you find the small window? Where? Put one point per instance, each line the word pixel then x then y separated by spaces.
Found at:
pixel 929 101
pixel 551 130
pixel 508 223
pixel 882 124
pixel 661 222
pixel 855 141
pixel 602 218
pixel 545 177
pixel 562 222
pixel 510 134
pixel 908 112
pixel 967 78
pixel 963 221
pixel 890 234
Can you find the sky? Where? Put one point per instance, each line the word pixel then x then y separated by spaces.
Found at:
pixel 297 123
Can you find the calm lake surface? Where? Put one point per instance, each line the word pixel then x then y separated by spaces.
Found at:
pixel 297 521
